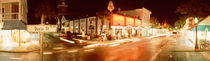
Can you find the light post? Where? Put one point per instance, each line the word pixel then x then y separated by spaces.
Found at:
pixel 196 37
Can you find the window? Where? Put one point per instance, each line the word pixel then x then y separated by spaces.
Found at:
pixel 2 12
pixel 15 10
pixel 10 11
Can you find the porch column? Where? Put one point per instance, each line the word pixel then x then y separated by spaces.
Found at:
pixel 0 12
pixel 20 10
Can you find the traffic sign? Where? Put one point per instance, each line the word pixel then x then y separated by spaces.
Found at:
pixel 41 28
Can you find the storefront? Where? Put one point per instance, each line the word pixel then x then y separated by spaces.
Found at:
pixel 124 26
pixel 113 25
pixel 14 34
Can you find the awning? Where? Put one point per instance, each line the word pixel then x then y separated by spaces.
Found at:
pixel 202 28
pixel 14 24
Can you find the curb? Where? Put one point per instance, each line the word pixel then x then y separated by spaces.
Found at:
pixel 190 50
pixel 16 51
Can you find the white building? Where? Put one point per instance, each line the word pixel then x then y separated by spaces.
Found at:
pixel 141 13
pixel 13 10
pixel 13 20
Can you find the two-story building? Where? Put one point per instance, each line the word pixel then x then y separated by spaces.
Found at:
pixel 144 15
pixel 13 20
pixel 123 24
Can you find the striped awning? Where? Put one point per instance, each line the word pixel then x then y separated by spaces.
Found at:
pixel 202 28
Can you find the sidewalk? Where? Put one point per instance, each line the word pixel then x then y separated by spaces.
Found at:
pixel 185 51
pixel 17 49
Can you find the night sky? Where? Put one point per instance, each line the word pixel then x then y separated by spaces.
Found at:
pixel 161 9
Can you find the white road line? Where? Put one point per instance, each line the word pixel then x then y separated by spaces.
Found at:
pixel 156 54
pixel 47 53
pixel 206 55
pixel 67 40
pixel 16 58
pixel 72 51
pixel 58 48
pixel 89 50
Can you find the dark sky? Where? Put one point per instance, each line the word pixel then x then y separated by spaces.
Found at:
pixel 161 9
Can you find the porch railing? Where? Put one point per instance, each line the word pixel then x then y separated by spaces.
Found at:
pixel 9 16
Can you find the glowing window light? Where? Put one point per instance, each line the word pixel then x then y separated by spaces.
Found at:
pixel 10 39
pixel 129 21
pixel 118 20
pixel 7 42
pixel 137 22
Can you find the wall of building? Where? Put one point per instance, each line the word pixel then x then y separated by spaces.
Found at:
pixel 9 15
pixel 142 13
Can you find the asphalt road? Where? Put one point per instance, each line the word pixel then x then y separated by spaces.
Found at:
pixel 165 48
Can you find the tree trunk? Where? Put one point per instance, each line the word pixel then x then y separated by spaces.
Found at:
pixel 102 25
pixel 43 17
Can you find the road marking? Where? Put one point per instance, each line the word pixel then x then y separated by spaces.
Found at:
pixel 206 55
pixel 66 40
pixel 89 50
pixel 47 53
pixel 114 45
pixel 16 58
pixel 58 48
pixel 156 54
pixel 72 51
pixel 163 45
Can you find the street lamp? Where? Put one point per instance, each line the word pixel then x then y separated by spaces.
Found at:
pixel 196 37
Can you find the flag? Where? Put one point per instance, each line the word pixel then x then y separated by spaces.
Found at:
pixel 110 6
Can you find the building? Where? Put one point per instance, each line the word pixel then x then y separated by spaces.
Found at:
pixel 13 20
pixel 203 28
pixel 13 10
pixel 62 12
pixel 142 13
pixel 117 25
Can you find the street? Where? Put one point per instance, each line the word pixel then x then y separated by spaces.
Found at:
pixel 162 48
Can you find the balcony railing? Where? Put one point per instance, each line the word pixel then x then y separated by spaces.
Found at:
pixel 9 16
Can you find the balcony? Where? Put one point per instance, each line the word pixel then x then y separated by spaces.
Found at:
pixel 9 16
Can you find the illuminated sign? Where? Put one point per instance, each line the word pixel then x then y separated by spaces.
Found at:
pixel 118 20
pixel 42 28
pixel 76 26
pixel 82 25
pixel 71 26
pixel 110 6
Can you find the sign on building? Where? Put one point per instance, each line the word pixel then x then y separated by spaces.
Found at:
pixel 83 25
pixel 41 28
pixel 76 26
pixel 91 25
pixel 71 26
